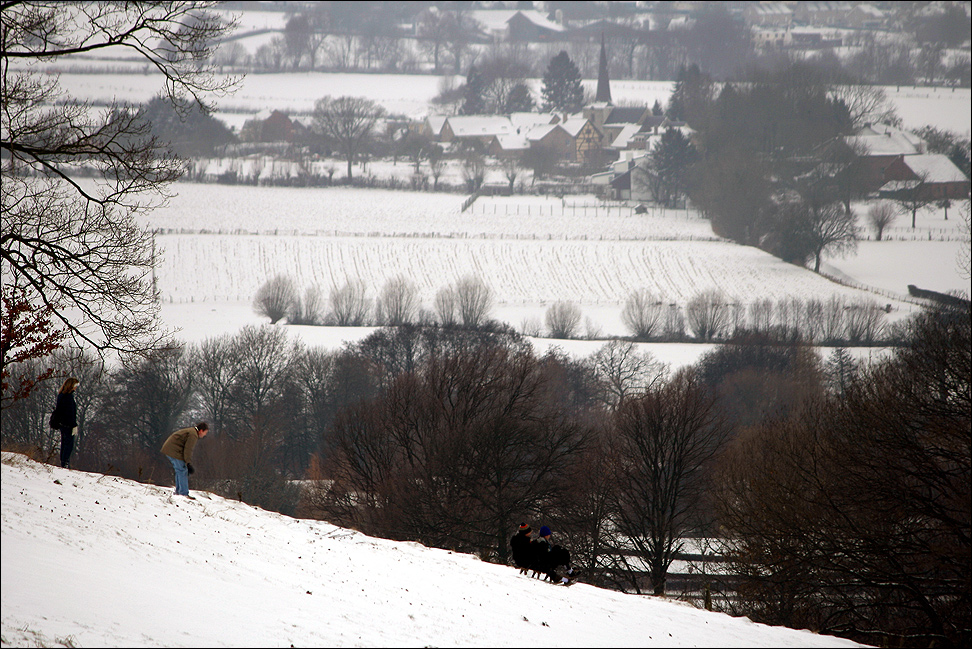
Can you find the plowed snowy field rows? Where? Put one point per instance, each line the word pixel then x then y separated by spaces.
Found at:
pixel 552 250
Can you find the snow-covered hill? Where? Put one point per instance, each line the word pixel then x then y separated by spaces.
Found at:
pixel 91 560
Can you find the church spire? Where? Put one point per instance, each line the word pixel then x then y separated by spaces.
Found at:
pixel 603 83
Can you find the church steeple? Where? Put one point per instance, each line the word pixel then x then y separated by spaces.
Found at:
pixel 603 83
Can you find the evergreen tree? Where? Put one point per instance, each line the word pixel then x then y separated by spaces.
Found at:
pixel 562 90
pixel 519 100
pixel 473 102
pixel 669 166
pixel 841 370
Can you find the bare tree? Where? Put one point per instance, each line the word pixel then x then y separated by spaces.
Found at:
pixel 474 301
pixel 864 322
pixel 623 372
pixel 433 32
pixel 398 303
pixel 78 251
pixel 830 229
pixel 309 309
pixel 563 319
pixel 912 195
pixel 674 323
pixel 708 314
pixel 866 104
pixel 761 314
pixel 665 439
pixel 349 304
pixel 446 305
pixel 511 170
pixel 473 170
pixel 964 260
pixel 218 368
pixel 276 299
pixel 880 216
pixel 349 121
pixel 642 314
pixel 834 322
pixel 851 516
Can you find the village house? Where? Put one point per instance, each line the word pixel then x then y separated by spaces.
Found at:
pixel 879 145
pixel 934 174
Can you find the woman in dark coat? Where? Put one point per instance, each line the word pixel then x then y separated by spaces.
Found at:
pixel 66 417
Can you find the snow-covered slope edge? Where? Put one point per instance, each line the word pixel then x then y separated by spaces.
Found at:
pixel 91 560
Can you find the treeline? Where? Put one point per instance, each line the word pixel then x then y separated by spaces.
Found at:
pixel 838 493
pixel 710 316
pixel 445 39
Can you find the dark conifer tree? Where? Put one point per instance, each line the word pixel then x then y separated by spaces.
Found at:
pixel 562 90
pixel 473 102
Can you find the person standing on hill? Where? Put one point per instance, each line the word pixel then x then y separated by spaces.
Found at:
pixel 65 419
pixel 178 447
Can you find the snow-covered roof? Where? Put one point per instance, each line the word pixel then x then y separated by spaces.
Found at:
pixel 936 168
pixel 573 125
pixel 436 122
pixel 869 10
pixel 541 131
pixel 624 137
pixel 529 120
pixel 513 142
pixel 898 185
pixel 770 9
pixel 882 139
pixel 495 20
pixel 480 125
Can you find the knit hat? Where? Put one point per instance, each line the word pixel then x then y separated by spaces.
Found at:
pixel 525 528
pixel 544 531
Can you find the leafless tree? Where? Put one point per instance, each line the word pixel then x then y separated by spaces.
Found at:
pixel 81 251
pixel 474 301
pixel 834 323
pixel 761 314
pixel 880 216
pixel 708 315
pixel 153 394
pixel 830 229
pixel 267 360
pixel 665 439
pixel 913 195
pixel 563 318
pixel 473 170
pixel 642 314
pixel 309 308
pixel 349 121
pixel 511 170
pixel 218 368
pixel 623 372
pixel 851 516
pixel 674 323
pixel 350 305
pixel 446 305
pixel 433 32
pixel 276 299
pixel 813 310
pixel 866 104
pixel 864 322
pixel 964 260
pixel 398 303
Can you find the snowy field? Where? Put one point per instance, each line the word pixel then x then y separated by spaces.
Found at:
pixel 95 561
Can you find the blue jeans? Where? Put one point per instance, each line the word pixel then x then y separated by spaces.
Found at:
pixel 181 476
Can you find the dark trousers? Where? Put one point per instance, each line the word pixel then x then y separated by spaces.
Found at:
pixel 67 446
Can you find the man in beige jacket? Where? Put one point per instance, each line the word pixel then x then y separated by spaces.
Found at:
pixel 178 448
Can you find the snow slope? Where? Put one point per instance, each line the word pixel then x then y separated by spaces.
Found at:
pixel 92 560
